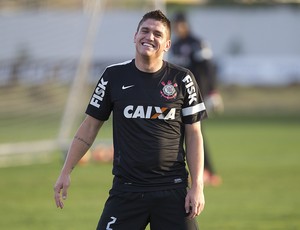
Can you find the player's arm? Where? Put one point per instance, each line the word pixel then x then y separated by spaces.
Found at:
pixel 194 202
pixel 82 141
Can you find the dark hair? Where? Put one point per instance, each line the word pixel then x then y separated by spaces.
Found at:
pixel 180 17
pixel 159 16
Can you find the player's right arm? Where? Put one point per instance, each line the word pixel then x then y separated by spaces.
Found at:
pixel 82 141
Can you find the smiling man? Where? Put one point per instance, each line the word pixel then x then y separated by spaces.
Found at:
pixel 157 108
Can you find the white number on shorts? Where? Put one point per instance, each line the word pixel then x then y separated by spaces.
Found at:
pixel 114 219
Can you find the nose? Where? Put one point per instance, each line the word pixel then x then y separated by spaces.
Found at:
pixel 150 36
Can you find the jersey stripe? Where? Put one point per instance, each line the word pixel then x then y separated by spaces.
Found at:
pixel 193 109
pixel 117 64
pixel 122 63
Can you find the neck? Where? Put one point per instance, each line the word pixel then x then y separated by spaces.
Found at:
pixel 148 65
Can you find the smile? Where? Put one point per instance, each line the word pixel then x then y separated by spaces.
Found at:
pixel 147 44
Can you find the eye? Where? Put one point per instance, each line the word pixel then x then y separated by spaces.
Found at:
pixel 144 30
pixel 158 34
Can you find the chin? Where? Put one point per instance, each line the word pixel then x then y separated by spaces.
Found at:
pixel 146 53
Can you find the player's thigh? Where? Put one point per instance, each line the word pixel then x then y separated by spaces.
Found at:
pixel 170 213
pixel 124 211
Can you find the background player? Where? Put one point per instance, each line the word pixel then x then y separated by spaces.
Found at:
pixel 195 54
pixel 157 107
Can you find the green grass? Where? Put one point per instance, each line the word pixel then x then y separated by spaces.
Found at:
pixel 257 157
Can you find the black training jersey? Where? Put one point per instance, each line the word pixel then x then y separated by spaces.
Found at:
pixel 149 113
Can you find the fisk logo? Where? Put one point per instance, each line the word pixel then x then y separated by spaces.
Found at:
pixel 189 85
pixel 99 93
pixel 149 112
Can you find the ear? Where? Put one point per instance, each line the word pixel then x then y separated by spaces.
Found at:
pixel 168 46
pixel 134 38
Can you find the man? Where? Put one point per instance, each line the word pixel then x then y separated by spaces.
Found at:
pixel 194 54
pixel 157 107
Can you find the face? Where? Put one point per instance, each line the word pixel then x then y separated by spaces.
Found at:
pixel 152 39
pixel 181 29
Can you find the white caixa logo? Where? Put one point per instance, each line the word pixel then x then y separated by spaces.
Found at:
pixel 149 112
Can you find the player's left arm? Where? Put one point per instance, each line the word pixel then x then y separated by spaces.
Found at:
pixel 194 202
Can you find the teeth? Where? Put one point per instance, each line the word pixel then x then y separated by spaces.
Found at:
pixel 147 44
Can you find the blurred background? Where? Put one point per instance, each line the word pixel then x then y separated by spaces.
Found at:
pixel 50 49
pixel 53 52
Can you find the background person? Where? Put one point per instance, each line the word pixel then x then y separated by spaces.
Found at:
pixel 195 54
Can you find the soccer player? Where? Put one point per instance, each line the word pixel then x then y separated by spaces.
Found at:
pixel 194 54
pixel 157 109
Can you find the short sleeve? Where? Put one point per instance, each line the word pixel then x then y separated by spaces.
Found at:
pixel 193 108
pixel 100 104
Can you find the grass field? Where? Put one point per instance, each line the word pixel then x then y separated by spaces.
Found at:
pixel 257 157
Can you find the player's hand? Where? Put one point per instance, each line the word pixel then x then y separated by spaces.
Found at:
pixel 60 189
pixel 214 103
pixel 194 202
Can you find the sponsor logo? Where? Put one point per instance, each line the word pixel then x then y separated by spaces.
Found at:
pixel 149 112
pixel 127 87
pixel 177 180
pixel 190 88
pixel 168 91
pixel 99 93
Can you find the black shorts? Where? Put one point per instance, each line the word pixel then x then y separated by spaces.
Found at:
pixel 164 210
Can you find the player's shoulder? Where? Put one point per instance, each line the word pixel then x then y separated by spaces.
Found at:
pixel 119 66
pixel 178 68
pixel 114 71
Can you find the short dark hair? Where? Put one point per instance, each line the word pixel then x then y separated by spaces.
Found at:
pixel 159 16
pixel 180 17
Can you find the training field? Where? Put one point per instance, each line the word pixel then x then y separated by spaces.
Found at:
pixel 258 159
pixel 257 155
